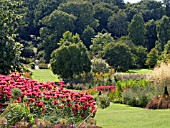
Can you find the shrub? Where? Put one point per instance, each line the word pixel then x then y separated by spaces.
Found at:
pixel 138 96
pixel 128 76
pixel 16 112
pixel 103 101
pixel 32 65
pixel 161 74
pixel 99 65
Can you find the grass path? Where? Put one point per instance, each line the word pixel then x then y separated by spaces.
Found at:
pixel 123 116
pixel 44 75
pixel 140 71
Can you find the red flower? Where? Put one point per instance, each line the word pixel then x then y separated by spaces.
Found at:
pixel 40 104
pixel 62 106
pixel 55 102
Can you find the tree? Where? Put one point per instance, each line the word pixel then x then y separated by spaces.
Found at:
pixel 137 30
pixel 84 13
pixel 141 53
pixel 150 35
pixel 99 41
pixel 69 38
pixel 10 50
pixel 102 12
pixel 152 58
pixel 163 30
pixel 70 61
pixel 118 24
pixel 54 26
pixel 167 6
pixel 87 35
pixel 165 57
pixel 118 55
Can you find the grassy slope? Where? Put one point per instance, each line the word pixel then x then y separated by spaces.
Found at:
pixel 44 75
pixel 123 116
pixel 141 71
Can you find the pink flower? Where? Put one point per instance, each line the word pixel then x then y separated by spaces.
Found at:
pixel 40 104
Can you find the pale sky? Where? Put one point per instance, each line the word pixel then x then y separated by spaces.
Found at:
pixel 134 1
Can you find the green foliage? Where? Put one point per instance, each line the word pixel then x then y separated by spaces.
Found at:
pixel 118 24
pixel 16 112
pixel 16 93
pixel 69 61
pixel 87 35
pixel 152 58
pixel 102 12
pixel 99 65
pixel 10 50
pixel 54 26
pixel 137 29
pixel 138 96
pixel 69 38
pixel 140 54
pixel 32 65
pixel 103 101
pixel 83 11
pixel 150 35
pixel 99 41
pixel 43 66
pixel 163 30
pixel 167 6
pixel 118 55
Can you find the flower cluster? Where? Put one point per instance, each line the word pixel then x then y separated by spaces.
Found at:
pixel 106 88
pixel 43 98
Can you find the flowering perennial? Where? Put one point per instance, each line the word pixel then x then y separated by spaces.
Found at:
pixel 106 88
pixel 43 98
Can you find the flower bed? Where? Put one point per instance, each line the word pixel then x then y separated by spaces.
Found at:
pixel 46 98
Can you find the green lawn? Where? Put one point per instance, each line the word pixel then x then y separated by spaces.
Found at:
pixel 123 116
pixel 44 75
pixel 140 71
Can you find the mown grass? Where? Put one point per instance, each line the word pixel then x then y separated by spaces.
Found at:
pixel 44 75
pixel 140 71
pixel 123 116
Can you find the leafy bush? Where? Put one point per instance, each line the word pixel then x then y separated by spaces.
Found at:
pixel 103 101
pixel 138 96
pixel 32 65
pixel 99 65
pixel 16 112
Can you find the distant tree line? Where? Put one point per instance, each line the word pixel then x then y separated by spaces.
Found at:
pixel 125 35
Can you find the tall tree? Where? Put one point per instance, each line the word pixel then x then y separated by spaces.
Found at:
pixel 150 35
pixel 68 38
pixel 10 50
pixel 118 24
pixel 152 58
pixel 84 13
pixel 87 35
pixel 163 30
pixel 54 26
pixel 102 12
pixel 118 55
pixel 99 41
pixel 137 29
pixel 167 5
